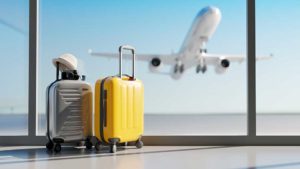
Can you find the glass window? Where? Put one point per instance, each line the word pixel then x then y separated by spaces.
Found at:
pixel 278 87
pixel 207 103
pixel 14 21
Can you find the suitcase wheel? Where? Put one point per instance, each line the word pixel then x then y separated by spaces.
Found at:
pixel 57 148
pixel 88 145
pixel 113 144
pixel 98 146
pixel 49 145
pixel 113 148
pixel 139 144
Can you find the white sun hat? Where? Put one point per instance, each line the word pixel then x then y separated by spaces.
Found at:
pixel 66 62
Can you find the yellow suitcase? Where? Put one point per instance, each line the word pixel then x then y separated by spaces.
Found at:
pixel 119 108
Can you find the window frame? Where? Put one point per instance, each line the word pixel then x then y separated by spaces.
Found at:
pixel 250 139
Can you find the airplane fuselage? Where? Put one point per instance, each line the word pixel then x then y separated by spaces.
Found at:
pixel 202 29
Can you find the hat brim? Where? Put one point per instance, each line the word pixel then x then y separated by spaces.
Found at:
pixel 65 63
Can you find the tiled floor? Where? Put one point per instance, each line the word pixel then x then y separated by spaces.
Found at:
pixel 167 157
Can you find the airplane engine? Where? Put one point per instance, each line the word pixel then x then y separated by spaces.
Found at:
pixel 155 65
pixel 222 66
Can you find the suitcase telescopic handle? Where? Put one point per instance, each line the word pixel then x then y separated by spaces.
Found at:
pixel 132 49
pixel 57 70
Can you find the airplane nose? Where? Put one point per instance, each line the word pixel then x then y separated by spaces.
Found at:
pixel 213 10
pixel 210 10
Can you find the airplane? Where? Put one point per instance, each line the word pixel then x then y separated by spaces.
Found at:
pixel 193 52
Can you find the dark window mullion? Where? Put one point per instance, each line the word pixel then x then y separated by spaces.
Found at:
pixel 251 69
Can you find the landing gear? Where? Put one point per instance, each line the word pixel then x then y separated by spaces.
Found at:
pixel 200 68
pixel 179 68
pixel 203 50
pixel 176 69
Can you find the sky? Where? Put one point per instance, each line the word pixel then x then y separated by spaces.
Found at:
pixel 14 55
pixel 157 27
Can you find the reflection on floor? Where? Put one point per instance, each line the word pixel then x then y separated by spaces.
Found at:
pixel 183 124
pixel 167 157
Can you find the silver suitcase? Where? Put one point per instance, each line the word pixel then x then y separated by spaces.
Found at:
pixel 69 111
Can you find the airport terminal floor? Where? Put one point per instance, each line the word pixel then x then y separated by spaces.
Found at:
pixel 149 157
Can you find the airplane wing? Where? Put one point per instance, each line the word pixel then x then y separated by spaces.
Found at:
pixel 166 59
pixel 213 58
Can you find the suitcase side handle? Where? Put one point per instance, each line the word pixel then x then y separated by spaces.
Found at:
pixel 132 49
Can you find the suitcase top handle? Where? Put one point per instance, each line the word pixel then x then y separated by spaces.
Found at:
pixel 132 49
pixel 70 75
